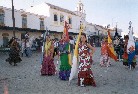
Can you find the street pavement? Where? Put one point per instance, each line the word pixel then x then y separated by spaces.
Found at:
pixel 25 78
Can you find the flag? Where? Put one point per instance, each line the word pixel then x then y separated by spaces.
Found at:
pixel 66 28
pixel 110 47
pixel 69 56
pixel 43 46
pixel 74 61
pixel 131 48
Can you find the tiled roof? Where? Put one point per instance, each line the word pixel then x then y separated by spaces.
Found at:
pixel 60 9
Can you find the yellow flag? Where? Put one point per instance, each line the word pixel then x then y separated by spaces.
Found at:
pixel 69 56
pixel 111 51
pixel 77 43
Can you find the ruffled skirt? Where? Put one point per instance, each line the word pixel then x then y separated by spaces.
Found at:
pixel 48 67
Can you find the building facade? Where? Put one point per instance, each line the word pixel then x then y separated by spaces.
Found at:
pixel 36 19
pixel 24 22
pixel 56 16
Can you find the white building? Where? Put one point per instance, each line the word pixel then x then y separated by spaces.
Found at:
pixel 57 15
pixel 24 22
pixel 37 18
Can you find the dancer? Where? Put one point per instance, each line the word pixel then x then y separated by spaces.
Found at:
pixel 48 67
pixel 105 59
pixel 65 67
pixel 85 75
pixel 14 56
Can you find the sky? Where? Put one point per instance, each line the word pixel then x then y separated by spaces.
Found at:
pixel 101 12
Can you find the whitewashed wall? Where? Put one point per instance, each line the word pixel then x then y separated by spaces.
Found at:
pixel 8 17
pixel 59 28
pixel 33 20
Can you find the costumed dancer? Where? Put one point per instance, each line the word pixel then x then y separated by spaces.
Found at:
pixel 64 54
pixel 105 59
pixel 48 67
pixel 14 56
pixel 65 67
pixel 85 75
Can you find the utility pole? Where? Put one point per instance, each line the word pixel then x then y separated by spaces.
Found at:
pixel 13 19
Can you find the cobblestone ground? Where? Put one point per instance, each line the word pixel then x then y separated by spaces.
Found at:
pixel 25 78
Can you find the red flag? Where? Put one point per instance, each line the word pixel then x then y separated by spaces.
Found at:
pixel 66 28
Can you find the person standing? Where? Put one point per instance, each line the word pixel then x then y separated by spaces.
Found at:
pixel 55 48
pixel 71 44
pixel 14 56
pixel 105 59
pixel 28 48
pixel 48 67
pixel 23 47
pixel 85 75
pixel 65 67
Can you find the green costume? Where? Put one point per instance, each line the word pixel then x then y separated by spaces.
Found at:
pixel 65 67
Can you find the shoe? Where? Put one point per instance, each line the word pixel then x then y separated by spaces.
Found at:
pixel 82 85
pixel 10 63
pixel 15 64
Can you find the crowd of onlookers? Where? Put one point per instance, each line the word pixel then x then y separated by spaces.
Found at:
pixel 36 44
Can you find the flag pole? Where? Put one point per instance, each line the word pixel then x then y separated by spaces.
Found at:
pixel 13 19
pixel 43 47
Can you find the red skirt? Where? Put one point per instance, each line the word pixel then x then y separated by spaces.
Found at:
pixel 48 67
pixel 88 78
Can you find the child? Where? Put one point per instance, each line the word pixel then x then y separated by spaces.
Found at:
pixel 105 59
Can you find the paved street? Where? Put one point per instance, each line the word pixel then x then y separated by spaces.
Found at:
pixel 25 78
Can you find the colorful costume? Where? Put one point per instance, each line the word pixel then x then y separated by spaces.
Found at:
pixel 105 59
pixel 65 67
pixel 85 75
pixel 14 56
pixel 48 67
pixel 125 55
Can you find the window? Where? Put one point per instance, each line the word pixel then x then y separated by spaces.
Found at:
pixel 24 21
pixel 1 17
pixel 55 17
pixel 70 20
pixel 42 24
pixel 61 19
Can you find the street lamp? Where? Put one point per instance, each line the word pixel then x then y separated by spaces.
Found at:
pixel 13 19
